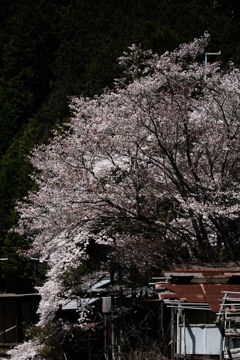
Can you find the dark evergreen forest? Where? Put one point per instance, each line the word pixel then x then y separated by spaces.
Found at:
pixel 53 49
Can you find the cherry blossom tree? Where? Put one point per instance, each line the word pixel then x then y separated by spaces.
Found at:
pixel 151 170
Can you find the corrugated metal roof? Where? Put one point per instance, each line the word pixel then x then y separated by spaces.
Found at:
pixel 101 283
pixel 197 293
pixel 74 304
pixel 230 265
pixel 203 273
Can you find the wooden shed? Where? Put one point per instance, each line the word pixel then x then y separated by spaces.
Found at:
pixel 16 311
pixel 205 313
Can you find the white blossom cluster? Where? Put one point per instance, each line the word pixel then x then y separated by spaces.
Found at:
pixel 25 351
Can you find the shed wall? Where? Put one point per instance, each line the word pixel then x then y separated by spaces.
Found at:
pixel 200 340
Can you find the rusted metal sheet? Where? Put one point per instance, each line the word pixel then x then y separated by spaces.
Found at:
pixel 223 279
pixel 197 293
pixel 203 273
pixel 231 266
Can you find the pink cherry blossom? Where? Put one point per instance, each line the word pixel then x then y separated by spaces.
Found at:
pixel 156 161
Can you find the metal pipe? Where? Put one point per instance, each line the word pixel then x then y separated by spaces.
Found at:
pixel 210 53
pixel 205 60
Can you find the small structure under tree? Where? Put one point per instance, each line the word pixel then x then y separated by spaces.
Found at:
pixel 205 312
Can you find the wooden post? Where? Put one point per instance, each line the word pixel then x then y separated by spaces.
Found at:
pixel 89 346
pixel 112 336
pixel 105 337
pixel 17 309
pixel 3 323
